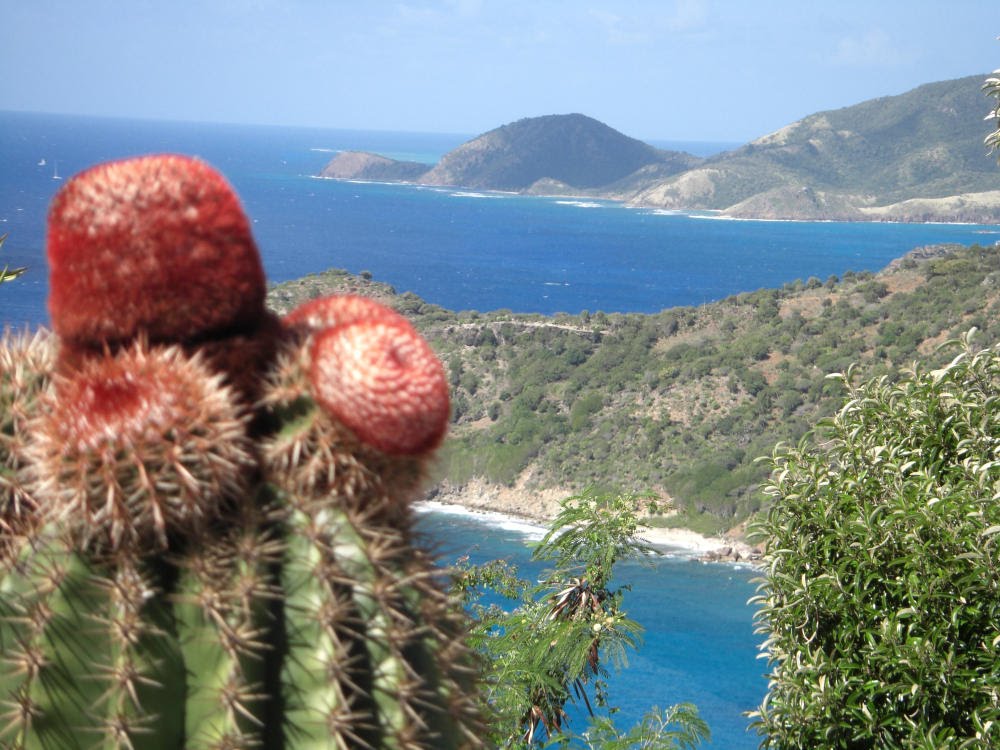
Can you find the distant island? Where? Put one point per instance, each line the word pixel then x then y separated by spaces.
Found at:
pixel 562 154
pixel 914 157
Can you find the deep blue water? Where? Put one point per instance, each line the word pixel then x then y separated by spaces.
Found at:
pixel 467 250
pixel 459 249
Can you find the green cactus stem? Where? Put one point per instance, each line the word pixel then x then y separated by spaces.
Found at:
pixel 184 588
pixel 356 585
pixel 88 647
pixel 230 608
pixel 25 368
pixel 206 539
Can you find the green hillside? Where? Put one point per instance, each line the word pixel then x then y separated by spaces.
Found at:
pixel 681 402
pixel 926 143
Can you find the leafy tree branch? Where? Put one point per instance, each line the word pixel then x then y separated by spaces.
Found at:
pixel 7 273
pixel 555 645
pixel 992 89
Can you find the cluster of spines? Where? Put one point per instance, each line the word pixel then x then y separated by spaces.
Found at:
pixel 137 446
pixel 215 589
pixel 26 363
pixel 372 595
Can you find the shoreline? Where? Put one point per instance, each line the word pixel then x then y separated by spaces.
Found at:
pixel 676 542
pixel 715 214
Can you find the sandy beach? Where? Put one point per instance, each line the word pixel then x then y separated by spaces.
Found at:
pixel 672 541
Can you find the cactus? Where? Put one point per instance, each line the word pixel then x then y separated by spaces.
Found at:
pixel 25 365
pixel 205 532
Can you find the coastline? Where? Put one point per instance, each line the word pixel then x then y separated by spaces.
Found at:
pixel 678 542
pixel 877 215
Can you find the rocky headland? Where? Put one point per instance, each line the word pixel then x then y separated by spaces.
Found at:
pixel 361 165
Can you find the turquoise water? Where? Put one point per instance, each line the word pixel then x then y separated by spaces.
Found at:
pixel 698 646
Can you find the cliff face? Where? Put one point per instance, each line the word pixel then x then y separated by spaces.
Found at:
pixel 360 165
pixel 573 150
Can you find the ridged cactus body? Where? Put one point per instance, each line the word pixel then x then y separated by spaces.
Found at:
pixel 204 553
pixel 87 646
pixel 26 363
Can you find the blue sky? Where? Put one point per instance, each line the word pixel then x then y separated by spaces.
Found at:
pixel 716 70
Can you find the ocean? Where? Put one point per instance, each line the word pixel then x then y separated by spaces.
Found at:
pixel 465 250
pixel 486 251
pixel 698 644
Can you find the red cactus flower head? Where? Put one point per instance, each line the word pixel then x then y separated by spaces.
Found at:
pixel 157 245
pixel 372 371
pixel 140 445
pixel 327 312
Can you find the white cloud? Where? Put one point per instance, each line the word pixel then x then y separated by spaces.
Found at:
pixel 618 30
pixel 648 22
pixel 688 15
pixel 466 8
pixel 872 48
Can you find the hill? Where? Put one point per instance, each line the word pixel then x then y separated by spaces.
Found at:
pixel 361 165
pixel 572 150
pixel 570 154
pixel 918 156
pixel 681 402
pixel 857 162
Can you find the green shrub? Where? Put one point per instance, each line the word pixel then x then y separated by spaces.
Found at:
pixel 584 408
pixel 881 597
pixel 7 273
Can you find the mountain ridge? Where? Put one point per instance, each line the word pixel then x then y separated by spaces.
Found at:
pixel 916 156
pixel 926 143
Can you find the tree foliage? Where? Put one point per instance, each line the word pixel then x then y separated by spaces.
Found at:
pixel 992 89
pixel 7 273
pixel 881 599
pixel 683 401
pixel 553 647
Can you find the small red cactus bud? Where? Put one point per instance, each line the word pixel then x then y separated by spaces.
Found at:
pixel 135 447
pixel 327 312
pixel 372 371
pixel 156 245
pixel 384 382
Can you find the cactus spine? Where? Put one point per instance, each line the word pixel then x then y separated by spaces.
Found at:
pixel 206 539
pixel 25 364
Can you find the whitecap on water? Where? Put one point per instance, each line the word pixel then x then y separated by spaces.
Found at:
pixel 580 204
pixel 528 529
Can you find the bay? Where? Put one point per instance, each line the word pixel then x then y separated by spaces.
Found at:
pixel 698 645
